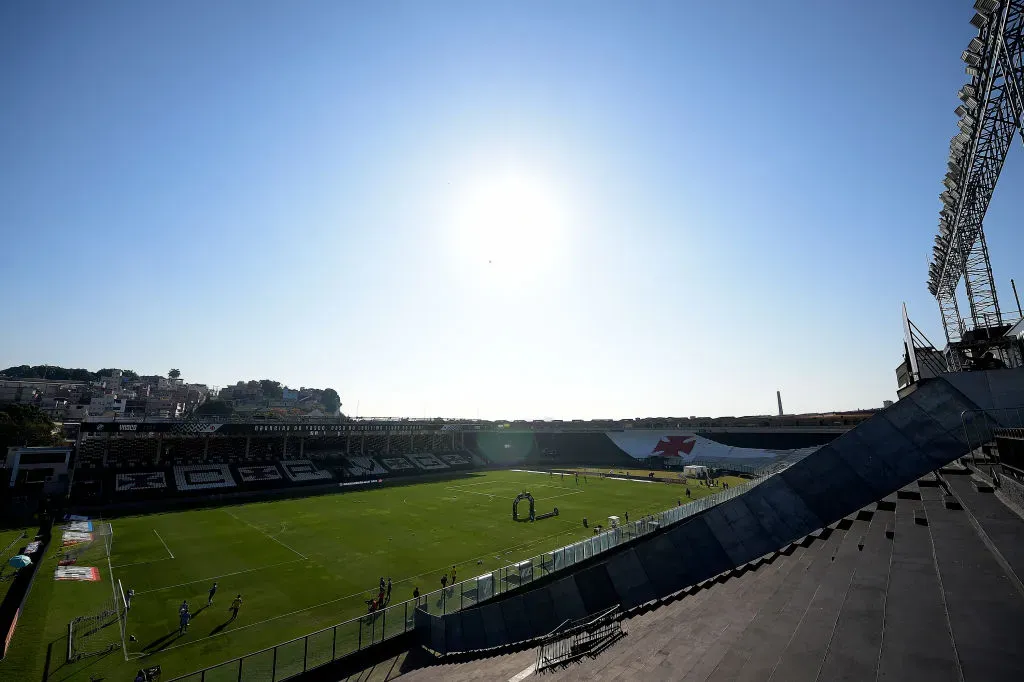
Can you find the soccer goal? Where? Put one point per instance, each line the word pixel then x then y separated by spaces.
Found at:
pixel 84 556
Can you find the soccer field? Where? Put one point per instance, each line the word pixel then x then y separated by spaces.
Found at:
pixel 302 564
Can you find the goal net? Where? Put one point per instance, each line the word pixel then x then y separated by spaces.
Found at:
pixel 85 555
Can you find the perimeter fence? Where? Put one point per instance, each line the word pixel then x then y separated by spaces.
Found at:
pixel 296 656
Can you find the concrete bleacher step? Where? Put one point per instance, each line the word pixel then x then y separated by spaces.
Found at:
pixel 909 492
pixel 852 653
pixel 887 503
pixel 983 603
pixel 757 649
pixel 1002 526
pixel 764 603
pixel 981 485
pixel 727 623
pixel 663 643
pixel 803 655
pixel 916 644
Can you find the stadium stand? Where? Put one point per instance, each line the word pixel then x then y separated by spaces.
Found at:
pixel 364 466
pixel 191 477
pixel 326 448
pixel 427 461
pixel 258 473
pixel 456 459
pixel 304 471
pixel 141 480
pixel 396 463
pixel 90 454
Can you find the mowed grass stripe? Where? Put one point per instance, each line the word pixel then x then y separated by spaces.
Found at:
pixel 413 533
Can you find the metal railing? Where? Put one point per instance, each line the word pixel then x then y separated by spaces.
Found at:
pixel 571 640
pixel 980 426
pixel 301 654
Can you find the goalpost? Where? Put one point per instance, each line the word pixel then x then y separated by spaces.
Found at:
pixel 92 634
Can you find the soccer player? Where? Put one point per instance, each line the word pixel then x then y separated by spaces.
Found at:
pixel 183 608
pixel 213 591
pixel 388 597
pixel 453 574
pixel 128 600
pixel 183 619
pixel 235 605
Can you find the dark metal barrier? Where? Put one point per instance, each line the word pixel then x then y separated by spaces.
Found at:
pixel 572 640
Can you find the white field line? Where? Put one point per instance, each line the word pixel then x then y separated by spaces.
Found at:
pixel 120 620
pixel 163 543
pixel 292 549
pixel 498 494
pixel 436 571
pixel 519 677
pixel 217 577
pixel 140 563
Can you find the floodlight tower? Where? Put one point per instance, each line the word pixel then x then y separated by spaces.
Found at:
pixel 991 112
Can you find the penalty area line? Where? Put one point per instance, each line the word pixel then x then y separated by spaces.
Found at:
pixel 257 528
pixel 217 577
pixel 163 543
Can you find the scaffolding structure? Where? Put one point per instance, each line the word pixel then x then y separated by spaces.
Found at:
pixel 990 115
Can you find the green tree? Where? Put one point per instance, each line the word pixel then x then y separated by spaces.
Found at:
pixel 271 389
pixel 26 425
pixel 331 400
pixel 174 374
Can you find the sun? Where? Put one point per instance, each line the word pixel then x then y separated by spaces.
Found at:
pixel 512 225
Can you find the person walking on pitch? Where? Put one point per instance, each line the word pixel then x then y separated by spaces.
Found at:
pixel 213 591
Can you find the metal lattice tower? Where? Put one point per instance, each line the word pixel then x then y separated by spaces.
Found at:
pixel 992 109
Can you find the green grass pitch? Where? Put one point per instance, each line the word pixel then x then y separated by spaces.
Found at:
pixel 302 565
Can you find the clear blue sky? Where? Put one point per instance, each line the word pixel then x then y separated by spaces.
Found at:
pixel 523 209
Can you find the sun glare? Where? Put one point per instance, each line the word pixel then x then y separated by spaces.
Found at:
pixel 512 226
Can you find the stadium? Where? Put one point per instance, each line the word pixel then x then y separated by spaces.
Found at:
pixel 250 534
pixel 304 514
pixel 328 545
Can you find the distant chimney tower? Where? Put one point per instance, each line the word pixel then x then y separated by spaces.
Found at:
pixel 778 396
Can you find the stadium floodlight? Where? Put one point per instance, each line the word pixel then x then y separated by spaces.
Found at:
pixel 967 91
pixel 949 183
pixel 947 199
pixel 976 45
pixel 962 137
pixel 972 70
pixel 966 124
pixel 960 110
pixel 986 6
pixel 979 21
pixel 972 58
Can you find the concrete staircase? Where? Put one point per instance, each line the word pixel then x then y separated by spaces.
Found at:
pixel 909 588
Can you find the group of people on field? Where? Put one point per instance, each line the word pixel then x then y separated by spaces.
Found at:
pixel 185 614
pixel 383 597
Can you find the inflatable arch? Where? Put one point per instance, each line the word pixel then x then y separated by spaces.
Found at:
pixel 515 506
